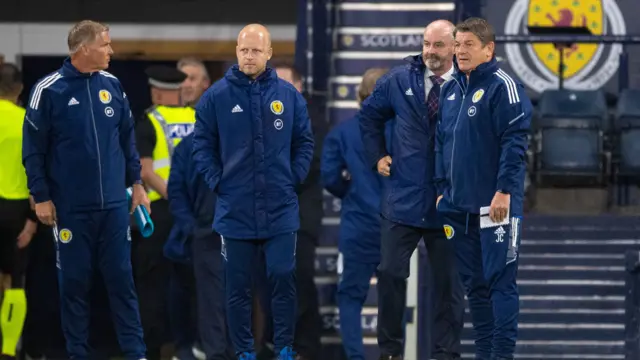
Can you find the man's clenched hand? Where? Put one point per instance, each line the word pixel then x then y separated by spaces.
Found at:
pixel 384 166
pixel 46 212
pixel 139 197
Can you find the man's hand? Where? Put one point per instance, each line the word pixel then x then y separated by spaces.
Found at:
pixel 438 200
pixel 27 233
pixel 46 212
pixel 499 207
pixel 139 197
pixel 384 166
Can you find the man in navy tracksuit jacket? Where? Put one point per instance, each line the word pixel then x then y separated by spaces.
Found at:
pixel 346 174
pixel 408 208
pixel 80 156
pixel 481 144
pixel 192 204
pixel 254 145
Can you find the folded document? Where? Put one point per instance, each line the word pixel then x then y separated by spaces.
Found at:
pixel 486 222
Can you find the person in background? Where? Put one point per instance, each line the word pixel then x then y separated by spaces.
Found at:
pixel 80 157
pixel 18 223
pixel 197 80
pixel 253 144
pixel 192 204
pixel 409 94
pixel 310 198
pixel 346 174
pixel 481 165
pixel 160 129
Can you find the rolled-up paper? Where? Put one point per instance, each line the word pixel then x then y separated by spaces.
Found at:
pixel 143 220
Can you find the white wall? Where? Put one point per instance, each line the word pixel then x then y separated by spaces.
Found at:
pixel 51 39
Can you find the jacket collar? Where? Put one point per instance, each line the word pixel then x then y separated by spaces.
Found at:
pixel 480 73
pixel 239 78
pixel 416 62
pixel 69 71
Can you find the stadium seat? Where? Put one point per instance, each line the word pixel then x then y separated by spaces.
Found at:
pixel 627 129
pixel 569 132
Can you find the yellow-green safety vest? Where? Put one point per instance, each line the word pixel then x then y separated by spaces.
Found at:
pixel 13 178
pixel 171 124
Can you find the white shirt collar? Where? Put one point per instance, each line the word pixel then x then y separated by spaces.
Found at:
pixel 446 76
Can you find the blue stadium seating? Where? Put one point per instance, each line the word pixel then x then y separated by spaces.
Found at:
pixel 627 128
pixel 570 127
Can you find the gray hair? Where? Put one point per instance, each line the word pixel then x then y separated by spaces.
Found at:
pixel 191 61
pixel 84 32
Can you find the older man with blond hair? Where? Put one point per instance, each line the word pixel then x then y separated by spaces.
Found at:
pixel 80 157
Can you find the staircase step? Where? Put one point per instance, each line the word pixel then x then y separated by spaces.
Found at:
pixel 559 356
pixel 571 287
pixel 571 259
pixel 571 272
pixel 555 331
pixel 533 294
pixel 564 315
pixel 327 257
pixel 525 349
pixel 596 246
pixel 568 315
pixel 559 347
pixel 571 301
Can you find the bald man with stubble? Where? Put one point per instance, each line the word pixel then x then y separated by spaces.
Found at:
pixel 253 144
pixel 410 95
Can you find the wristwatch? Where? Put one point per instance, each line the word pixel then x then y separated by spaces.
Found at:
pixel 137 182
pixel 503 191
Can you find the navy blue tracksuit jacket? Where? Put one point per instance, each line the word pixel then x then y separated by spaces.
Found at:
pixel 411 194
pixel 79 152
pixel 343 154
pixel 347 175
pixel 191 202
pixel 408 209
pixel 254 145
pixel 264 153
pixel 480 149
pixel 482 139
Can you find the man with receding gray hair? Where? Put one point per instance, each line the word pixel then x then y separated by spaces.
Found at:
pixel 80 157
pixel 410 94
pixel 197 80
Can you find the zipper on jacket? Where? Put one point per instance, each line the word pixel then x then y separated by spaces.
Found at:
pixel 95 132
pixel 453 147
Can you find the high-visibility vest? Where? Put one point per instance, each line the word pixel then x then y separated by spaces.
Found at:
pixel 171 123
pixel 13 178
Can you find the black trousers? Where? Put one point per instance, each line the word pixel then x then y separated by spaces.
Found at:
pixel 42 332
pixel 398 243
pixel 152 273
pixel 13 215
pixel 309 323
pixel 210 291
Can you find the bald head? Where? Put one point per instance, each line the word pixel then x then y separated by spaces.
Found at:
pixel 253 49
pixel 438 46
pixel 256 30
pixel 441 26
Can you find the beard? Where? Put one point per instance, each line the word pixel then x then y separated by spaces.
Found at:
pixel 434 62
